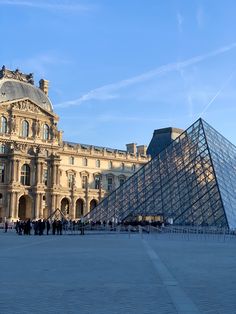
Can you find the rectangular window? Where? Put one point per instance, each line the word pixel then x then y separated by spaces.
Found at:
pixel 70 180
pixel 84 182
pixel 71 160
pixel 2 173
pixel 122 180
pixel 45 177
pixel 97 182
pixel 109 184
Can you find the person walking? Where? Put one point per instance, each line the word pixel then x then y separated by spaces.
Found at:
pixel 6 226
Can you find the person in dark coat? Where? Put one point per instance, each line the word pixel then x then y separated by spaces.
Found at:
pixel 60 227
pixel 54 224
pixel 6 226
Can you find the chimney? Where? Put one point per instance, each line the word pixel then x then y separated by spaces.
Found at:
pixel 131 148
pixel 142 149
pixel 43 85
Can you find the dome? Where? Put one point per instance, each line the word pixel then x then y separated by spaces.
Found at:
pixel 11 89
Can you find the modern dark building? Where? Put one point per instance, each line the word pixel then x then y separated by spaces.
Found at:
pixel 161 139
pixel 192 181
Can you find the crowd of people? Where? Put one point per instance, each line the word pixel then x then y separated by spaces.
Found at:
pixel 60 226
pixel 45 226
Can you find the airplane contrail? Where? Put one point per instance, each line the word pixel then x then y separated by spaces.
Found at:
pixel 216 95
pixel 105 92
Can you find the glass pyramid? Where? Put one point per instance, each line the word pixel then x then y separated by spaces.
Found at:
pixel 191 182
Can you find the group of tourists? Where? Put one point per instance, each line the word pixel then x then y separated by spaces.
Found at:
pixel 60 226
pixel 39 227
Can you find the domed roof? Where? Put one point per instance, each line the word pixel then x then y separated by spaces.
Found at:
pixel 15 85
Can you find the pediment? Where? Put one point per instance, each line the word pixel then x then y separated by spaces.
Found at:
pixel 26 105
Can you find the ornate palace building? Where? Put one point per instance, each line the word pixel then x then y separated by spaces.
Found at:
pixel 40 172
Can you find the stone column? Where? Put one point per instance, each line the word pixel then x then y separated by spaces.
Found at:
pixel 37 172
pixel 12 171
pixel 17 170
pixel 54 174
pixel 12 205
pixel 41 206
pixel 16 203
pixel 36 206
pixel 53 202
pixel 41 172
pixel 72 209
pixel 57 205
pixel 57 175
pixel 86 205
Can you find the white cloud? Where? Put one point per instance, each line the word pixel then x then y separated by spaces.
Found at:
pixel 110 90
pixel 49 5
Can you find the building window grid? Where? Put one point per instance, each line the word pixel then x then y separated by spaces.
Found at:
pixel 45 177
pixel 71 160
pixel 3 124
pixel 25 129
pixel 2 172
pixel 25 175
pixel 97 182
pixel 71 179
pixel 200 181
pixel 45 132
pixel 109 184
pixel 2 149
pixel 84 182
pixel 85 162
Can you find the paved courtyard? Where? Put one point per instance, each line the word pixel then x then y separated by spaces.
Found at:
pixel 114 273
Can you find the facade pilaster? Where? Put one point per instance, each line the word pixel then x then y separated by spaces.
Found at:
pixel 12 205
pixel 37 206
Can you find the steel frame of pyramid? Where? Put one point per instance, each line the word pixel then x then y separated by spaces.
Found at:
pixel 192 182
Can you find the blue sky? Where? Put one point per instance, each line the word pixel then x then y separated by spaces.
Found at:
pixel 120 69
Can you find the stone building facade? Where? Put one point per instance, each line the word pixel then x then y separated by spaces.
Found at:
pixel 40 172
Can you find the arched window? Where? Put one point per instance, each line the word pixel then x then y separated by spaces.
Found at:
pixel 2 149
pixel 25 129
pixel 3 125
pixel 109 164
pixel 122 166
pixel 25 175
pixel 45 132
pixel 85 161
pixel 98 163
pixel 133 167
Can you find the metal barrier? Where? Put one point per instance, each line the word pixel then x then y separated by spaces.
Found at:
pixel 192 233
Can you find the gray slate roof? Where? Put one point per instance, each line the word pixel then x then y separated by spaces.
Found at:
pixel 11 89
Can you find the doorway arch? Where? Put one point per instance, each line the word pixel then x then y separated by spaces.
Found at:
pixel 93 204
pixel 25 207
pixel 79 208
pixel 65 206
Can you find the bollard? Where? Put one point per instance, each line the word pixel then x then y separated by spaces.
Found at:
pixel 129 231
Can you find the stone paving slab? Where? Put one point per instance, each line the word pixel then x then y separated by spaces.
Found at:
pixel 104 273
pixel 90 274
